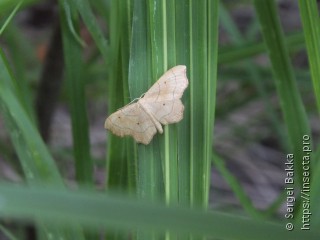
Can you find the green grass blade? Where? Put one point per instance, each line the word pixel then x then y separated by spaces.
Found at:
pixel 230 54
pixel 163 48
pixel 163 51
pixel 310 20
pixel 68 13
pixel 213 31
pixel 149 165
pixel 121 158
pixel 89 19
pixel 170 146
pixel 198 70
pixel 8 20
pixel 75 86
pixel 38 166
pixel 8 5
pixel 149 162
pixel 17 47
pixel 241 194
pixel 100 210
pixel 257 81
pixel 38 163
pixel 291 104
pixel 7 233
pixel 199 104
pixel 254 77
pixel 116 157
pixel 183 57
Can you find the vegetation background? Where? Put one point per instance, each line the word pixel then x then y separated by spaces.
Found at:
pixel 219 174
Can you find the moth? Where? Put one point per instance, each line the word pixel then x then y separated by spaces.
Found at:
pixel 161 104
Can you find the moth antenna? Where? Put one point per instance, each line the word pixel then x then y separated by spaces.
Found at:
pixel 136 99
